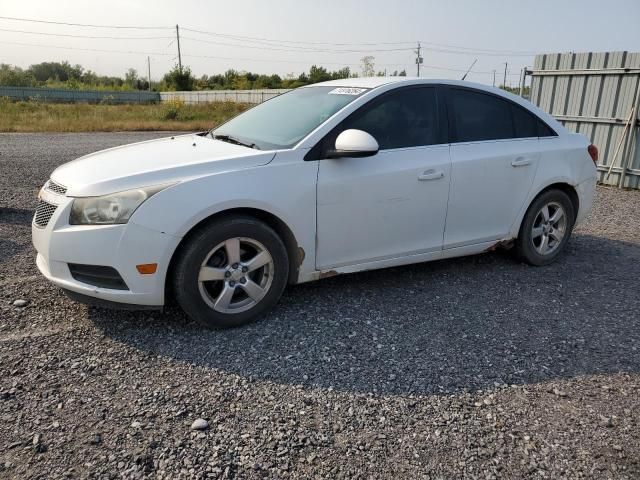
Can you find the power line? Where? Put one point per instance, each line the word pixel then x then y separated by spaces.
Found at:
pixel 477 53
pixel 81 36
pixel 474 72
pixel 272 60
pixel 82 24
pixel 488 50
pixel 164 54
pixel 296 49
pixel 85 49
pixel 297 42
pixel 290 48
pixel 401 65
pixel 438 47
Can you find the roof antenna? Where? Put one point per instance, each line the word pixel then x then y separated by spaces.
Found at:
pixel 465 75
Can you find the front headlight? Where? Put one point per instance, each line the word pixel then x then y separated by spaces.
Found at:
pixel 110 209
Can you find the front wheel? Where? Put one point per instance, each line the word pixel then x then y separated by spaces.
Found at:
pixel 546 228
pixel 230 272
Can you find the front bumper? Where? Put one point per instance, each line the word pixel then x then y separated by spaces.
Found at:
pixel 119 246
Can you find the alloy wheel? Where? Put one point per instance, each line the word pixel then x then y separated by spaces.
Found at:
pixel 235 275
pixel 549 228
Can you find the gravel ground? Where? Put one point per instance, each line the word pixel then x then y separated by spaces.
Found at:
pixel 478 367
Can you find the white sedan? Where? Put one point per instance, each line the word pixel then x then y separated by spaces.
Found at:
pixel 337 177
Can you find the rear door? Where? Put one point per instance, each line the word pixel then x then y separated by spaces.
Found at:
pixel 494 157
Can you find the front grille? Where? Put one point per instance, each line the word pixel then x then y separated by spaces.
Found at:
pixel 44 211
pixel 98 276
pixel 55 188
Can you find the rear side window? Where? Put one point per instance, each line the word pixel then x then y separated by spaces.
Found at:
pixel 406 118
pixel 544 130
pixel 524 123
pixel 478 116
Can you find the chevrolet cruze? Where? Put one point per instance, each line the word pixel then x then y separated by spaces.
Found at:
pixel 337 177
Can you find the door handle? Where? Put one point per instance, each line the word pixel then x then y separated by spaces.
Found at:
pixel 430 175
pixel 521 162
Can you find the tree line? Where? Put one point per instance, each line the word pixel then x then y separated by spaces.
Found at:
pixel 65 75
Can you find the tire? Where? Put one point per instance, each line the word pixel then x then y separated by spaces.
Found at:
pixel 536 230
pixel 222 276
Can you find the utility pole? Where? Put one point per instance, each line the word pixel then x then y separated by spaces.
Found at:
pixel 418 58
pixel 504 82
pixel 494 78
pixel 522 76
pixel 179 55
pixel 149 70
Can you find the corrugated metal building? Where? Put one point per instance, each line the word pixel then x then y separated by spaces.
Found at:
pixel 597 94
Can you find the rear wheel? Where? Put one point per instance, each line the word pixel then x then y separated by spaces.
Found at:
pixel 546 228
pixel 231 272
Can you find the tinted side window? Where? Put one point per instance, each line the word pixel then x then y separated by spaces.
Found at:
pixel 524 123
pixel 406 118
pixel 478 116
pixel 544 130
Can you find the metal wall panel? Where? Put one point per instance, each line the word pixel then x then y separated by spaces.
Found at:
pixel 594 94
pixel 78 96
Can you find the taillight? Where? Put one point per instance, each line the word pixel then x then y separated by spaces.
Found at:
pixel 593 152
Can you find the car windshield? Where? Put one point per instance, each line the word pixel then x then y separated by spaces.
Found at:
pixel 286 119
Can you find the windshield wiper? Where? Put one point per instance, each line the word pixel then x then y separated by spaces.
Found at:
pixel 234 140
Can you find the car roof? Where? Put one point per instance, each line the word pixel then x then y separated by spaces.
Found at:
pixel 373 82
pixel 361 82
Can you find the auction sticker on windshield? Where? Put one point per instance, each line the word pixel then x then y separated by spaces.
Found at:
pixel 347 91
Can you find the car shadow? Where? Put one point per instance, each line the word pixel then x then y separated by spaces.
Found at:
pixel 456 325
pixel 15 216
pixel 9 249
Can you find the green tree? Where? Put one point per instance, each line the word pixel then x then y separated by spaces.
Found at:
pixel 179 79
pixel 368 66
pixel 342 73
pixel 242 82
pixel 318 74
pixel 230 77
pixel 60 71
pixel 131 78
pixel 15 76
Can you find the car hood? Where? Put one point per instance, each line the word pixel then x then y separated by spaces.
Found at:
pixel 154 162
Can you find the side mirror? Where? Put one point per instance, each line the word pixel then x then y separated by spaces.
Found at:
pixel 354 143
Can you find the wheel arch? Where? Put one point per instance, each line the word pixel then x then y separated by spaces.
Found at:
pixel 561 185
pixel 295 253
pixel 565 187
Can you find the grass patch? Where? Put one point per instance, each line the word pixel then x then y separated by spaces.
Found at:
pixel 81 117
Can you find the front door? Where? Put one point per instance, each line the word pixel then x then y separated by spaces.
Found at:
pixel 392 204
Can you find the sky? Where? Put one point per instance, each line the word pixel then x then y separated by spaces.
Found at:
pixel 288 36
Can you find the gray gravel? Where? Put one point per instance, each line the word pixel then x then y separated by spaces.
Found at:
pixel 478 367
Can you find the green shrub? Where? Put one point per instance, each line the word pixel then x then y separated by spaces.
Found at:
pixel 108 100
pixel 172 109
